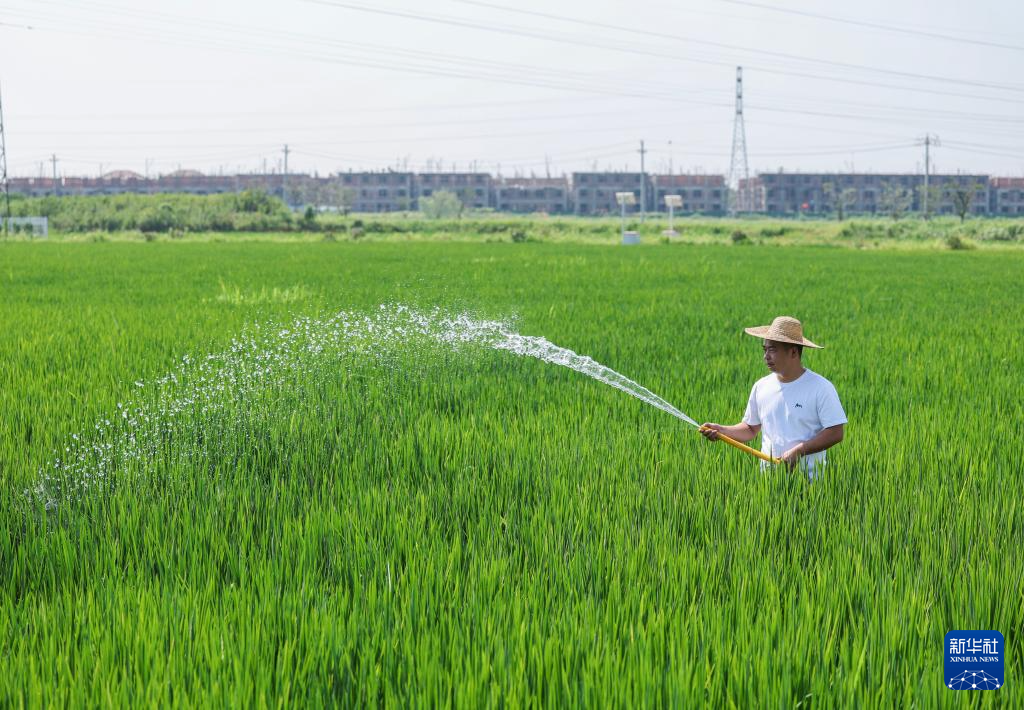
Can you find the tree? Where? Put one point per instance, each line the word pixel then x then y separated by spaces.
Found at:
pixel 468 197
pixel 895 200
pixel 308 220
pixel 441 204
pixel 314 193
pixel 296 193
pixel 839 200
pixel 334 194
pixel 934 199
pixel 963 198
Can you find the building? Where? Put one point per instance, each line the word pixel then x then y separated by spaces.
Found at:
pixel 784 193
pixel 524 195
pixel 750 195
pixel 1006 197
pixel 586 193
pixel 594 193
pixel 376 191
pixel 946 186
pixel 35 187
pixel 126 182
pixel 196 183
pixel 703 194
pixel 474 189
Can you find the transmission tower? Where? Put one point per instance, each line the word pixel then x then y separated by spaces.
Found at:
pixel 739 169
pixel 3 171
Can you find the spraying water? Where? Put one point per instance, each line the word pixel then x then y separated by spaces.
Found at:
pixel 497 335
pixel 211 389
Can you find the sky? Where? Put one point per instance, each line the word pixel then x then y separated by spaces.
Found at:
pixel 512 88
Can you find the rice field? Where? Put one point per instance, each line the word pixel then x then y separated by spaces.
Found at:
pixel 276 474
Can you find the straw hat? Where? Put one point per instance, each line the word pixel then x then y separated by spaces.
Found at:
pixel 783 329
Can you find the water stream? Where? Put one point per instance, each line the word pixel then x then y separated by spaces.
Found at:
pixel 213 388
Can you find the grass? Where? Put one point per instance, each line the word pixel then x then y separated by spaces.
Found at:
pixel 311 518
pixel 861 233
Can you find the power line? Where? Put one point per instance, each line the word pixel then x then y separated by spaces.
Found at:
pixel 876 25
pixel 205 115
pixel 420 56
pixel 163 36
pixel 406 67
pixel 520 32
pixel 335 127
pixel 721 45
pixel 1000 153
pixel 983 145
pixel 662 55
pixel 837 151
pixel 419 68
pixel 908 114
pixel 908 118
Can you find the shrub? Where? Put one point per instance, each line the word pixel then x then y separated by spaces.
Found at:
pixel 249 211
pixel 1007 233
pixel 441 204
pixel 953 241
pixel 308 220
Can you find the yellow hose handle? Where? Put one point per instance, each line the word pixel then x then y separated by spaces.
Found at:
pixel 743 447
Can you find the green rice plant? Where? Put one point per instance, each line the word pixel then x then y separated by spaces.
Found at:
pixel 318 501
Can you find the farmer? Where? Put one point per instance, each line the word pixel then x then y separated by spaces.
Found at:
pixel 798 409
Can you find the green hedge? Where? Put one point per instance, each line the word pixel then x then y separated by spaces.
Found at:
pixel 251 211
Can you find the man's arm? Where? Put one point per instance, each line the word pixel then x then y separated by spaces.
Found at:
pixel 741 432
pixel 824 439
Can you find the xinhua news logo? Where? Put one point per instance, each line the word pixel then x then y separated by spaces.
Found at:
pixel 974 660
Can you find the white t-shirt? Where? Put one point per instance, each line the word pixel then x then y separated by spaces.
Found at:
pixel 791 412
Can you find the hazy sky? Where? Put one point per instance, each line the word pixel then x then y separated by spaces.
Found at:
pixel 520 87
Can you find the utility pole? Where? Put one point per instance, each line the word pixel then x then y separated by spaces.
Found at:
pixel 928 140
pixel 284 176
pixel 53 159
pixel 643 184
pixel 739 168
pixel 3 171
pixel 927 170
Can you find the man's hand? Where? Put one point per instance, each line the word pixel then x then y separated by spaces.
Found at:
pixel 792 457
pixel 710 431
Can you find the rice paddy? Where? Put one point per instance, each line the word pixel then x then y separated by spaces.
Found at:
pixel 277 474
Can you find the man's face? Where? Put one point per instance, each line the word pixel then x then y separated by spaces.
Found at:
pixel 777 355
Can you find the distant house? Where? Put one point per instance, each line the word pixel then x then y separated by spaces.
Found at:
pixel 1006 197
pixel 704 194
pixel 474 189
pixel 385 191
pixel 524 195
pixel 594 193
